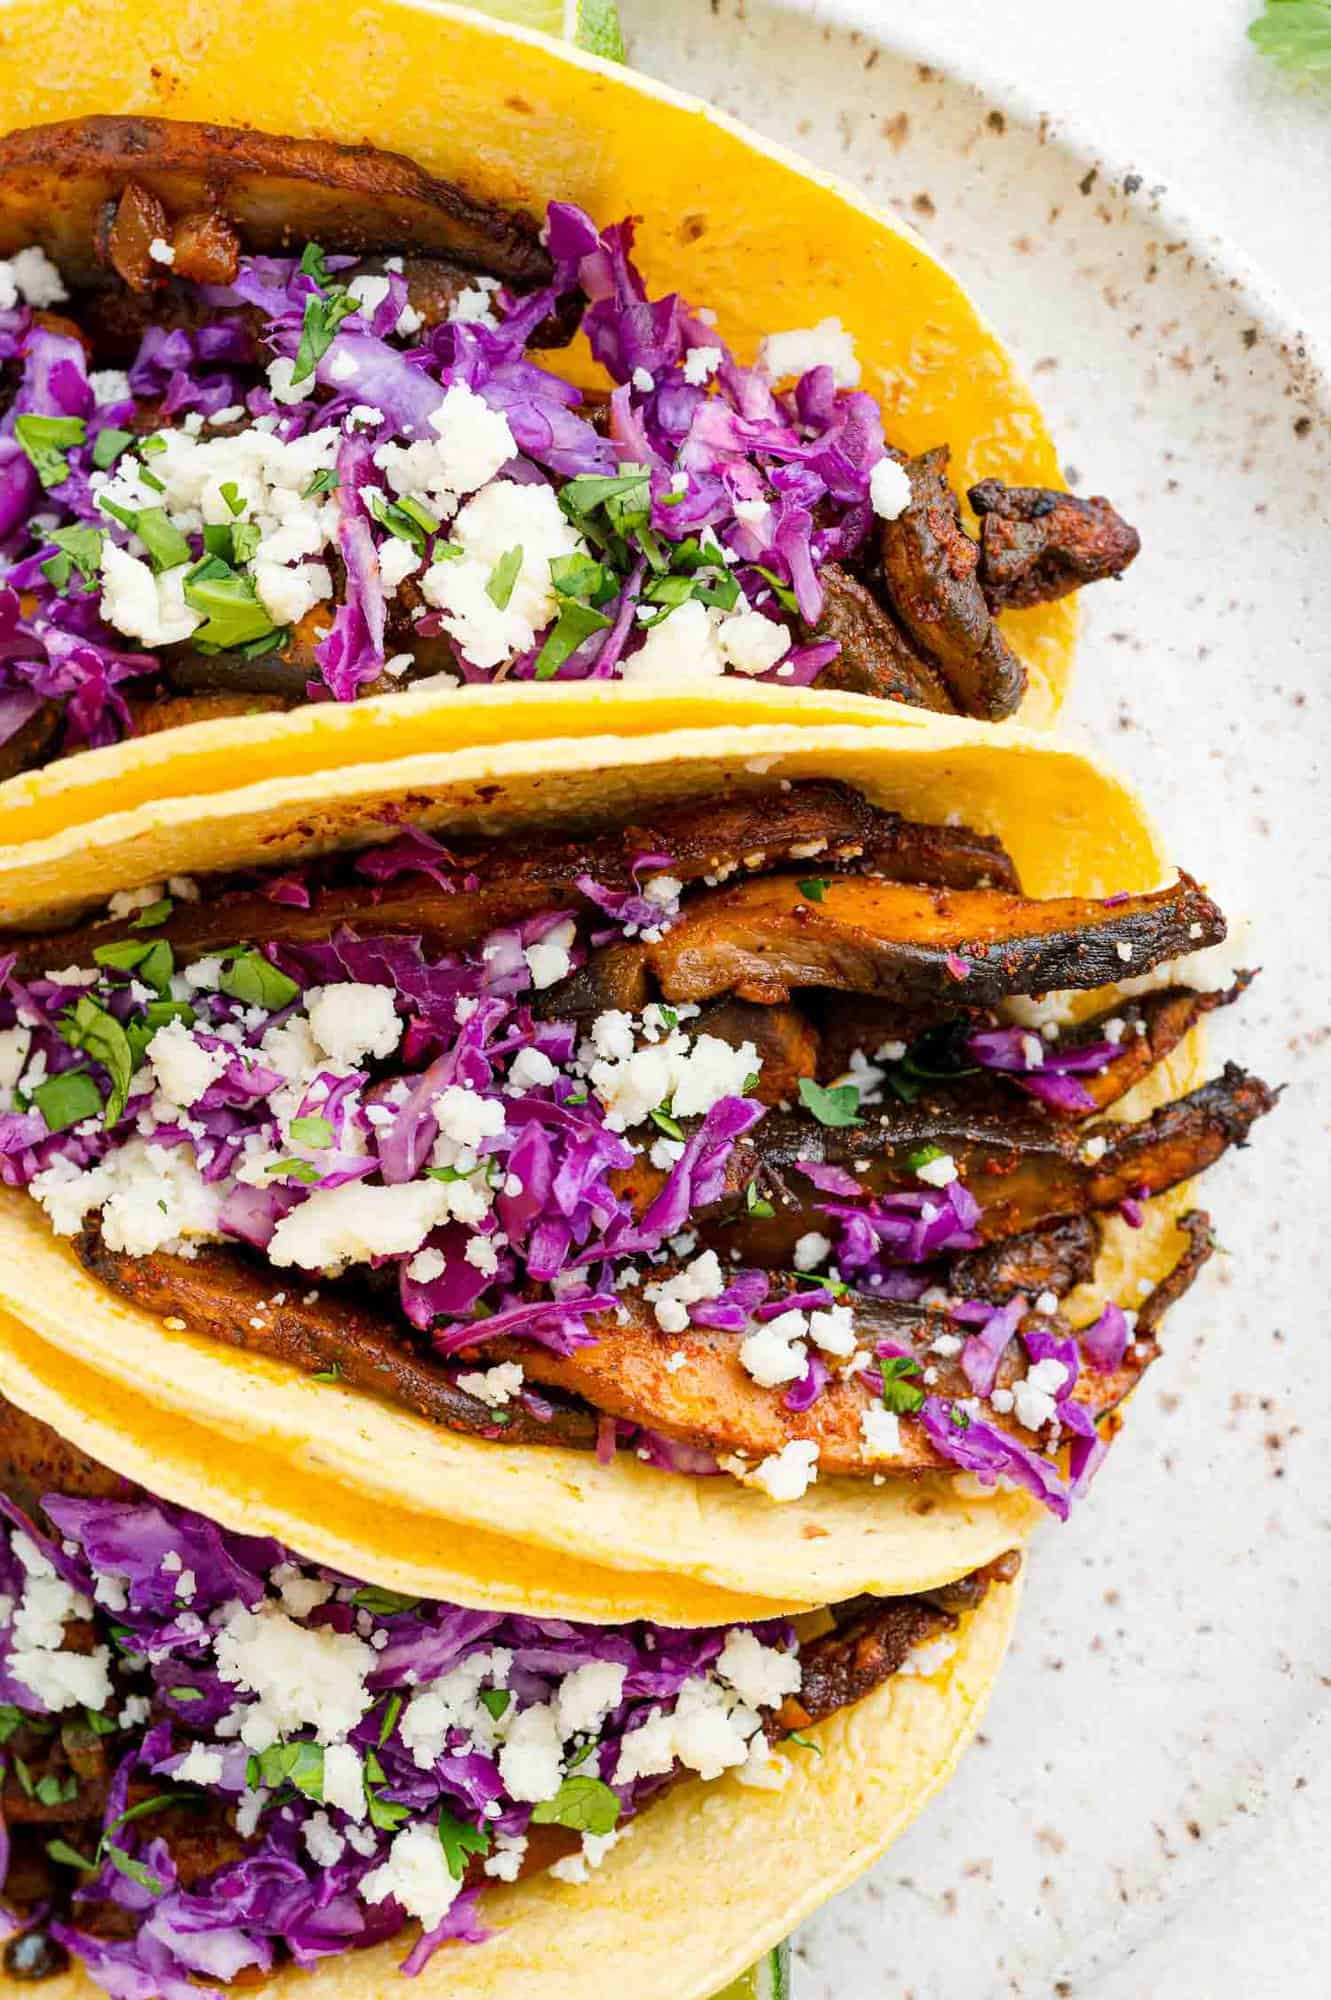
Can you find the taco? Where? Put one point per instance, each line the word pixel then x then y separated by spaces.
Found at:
pixel 274 434
pixel 221 1761
pixel 669 1162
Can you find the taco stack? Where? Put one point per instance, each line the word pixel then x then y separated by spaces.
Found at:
pixel 590 1137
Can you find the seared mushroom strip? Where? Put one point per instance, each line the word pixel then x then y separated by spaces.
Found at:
pixel 1023 1171
pixel 1037 544
pixel 876 657
pixel 1145 1031
pixel 763 939
pixel 929 566
pixel 1056 1258
pixel 825 825
pixel 223 1297
pixel 712 1401
pixel 279 193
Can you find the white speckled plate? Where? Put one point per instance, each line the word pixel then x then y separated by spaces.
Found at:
pixel 1156 1727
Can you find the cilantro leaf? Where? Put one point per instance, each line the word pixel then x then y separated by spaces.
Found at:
pixel 108 445
pixel 324 313
pixel 80 548
pixel 575 623
pixel 251 979
pixel 458 1840
pixel 311 1131
pixel 813 889
pixel 1296 34
pixel 67 1100
pixel 837 1105
pixel 91 1028
pixel 60 1850
pixel 900 1394
pixel 232 613
pixel 45 441
pixel 383 1602
pixel 585 1804
pixel 503 577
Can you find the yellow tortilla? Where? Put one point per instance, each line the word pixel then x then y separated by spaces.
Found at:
pixel 731 220
pixel 1073 829
pixel 712 1875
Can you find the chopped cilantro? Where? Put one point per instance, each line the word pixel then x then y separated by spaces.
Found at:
pixel 900 1394
pixel 67 1100
pixel 495 1701
pixel 253 980
pixel 392 1710
pixel 231 611
pixel 108 445
pixel 322 482
pixel 46 440
pixel 805 1742
pixel 69 1857
pixel 91 1028
pixel 755 1203
pixel 311 1131
pixel 1296 34
pixel 156 913
pixel 324 313
pixel 585 1804
pixel 665 1123
pixel 837 1105
pixel 166 546
pixel 384 1603
pixel 575 623
pixel 80 549
pixel 503 577
pixel 458 1840
pixel 813 889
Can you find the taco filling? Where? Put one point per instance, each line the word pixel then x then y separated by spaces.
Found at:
pixel 272 433
pixel 724 1139
pixel 218 1757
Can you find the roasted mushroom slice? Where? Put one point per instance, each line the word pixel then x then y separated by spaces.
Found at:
pixel 929 566
pixel 1037 544
pixel 278 192
pixel 1024 1172
pixel 225 1298
pixel 763 939
pixel 876 657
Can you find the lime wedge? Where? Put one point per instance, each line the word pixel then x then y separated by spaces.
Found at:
pixel 592 24
pixel 768 1980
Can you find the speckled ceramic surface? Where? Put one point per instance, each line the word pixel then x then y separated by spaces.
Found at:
pixel 1148 1784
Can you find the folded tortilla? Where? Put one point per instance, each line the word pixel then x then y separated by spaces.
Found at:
pixel 1071 827
pixel 728 219
pixel 712 1875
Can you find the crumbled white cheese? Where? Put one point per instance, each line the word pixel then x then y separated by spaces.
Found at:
pixel 776 1352
pixel 683 646
pixel 144 606
pixel 585 1697
pixel 37 1655
pixel 889 489
pixel 416 1875
pixel 811 1250
pixel 495 1386
pixel 30 276
pixel 788 1473
pixel 151 1198
pixel 549 959
pixel 353 1021
pixel 701 363
pixel 826 345
pixel 939 1173
pixel 531 1761
pixel 355 1222
pixel 161 251
pixel 690 1075
pixel 184 1068
pixel 672 1297
pixel 880 1433
pixel 303 1676
pixel 1035 1397
pixel 502 517
pixel 751 643
pixel 761 1675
